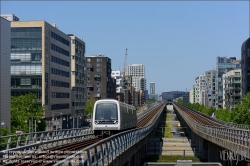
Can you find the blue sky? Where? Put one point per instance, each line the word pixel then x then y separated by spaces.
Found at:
pixel 176 41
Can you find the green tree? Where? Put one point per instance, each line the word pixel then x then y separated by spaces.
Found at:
pixel 23 109
pixel 241 112
pixel 223 114
pixel 90 106
pixel 4 132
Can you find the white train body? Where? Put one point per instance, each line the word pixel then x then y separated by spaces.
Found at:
pixel 111 116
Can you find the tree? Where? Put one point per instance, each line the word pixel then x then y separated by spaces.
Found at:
pixel 241 112
pixel 90 106
pixel 4 131
pixel 24 108
pixel 223 114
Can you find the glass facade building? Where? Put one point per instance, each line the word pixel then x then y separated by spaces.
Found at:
pixel 26 61
pixel 223 65
pixel 41 64
pixel 245 58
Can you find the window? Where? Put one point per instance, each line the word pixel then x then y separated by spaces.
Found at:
pixel 106 111
pixel 88 60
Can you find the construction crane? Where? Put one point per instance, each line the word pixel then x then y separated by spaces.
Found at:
pixel 125 62
pixel 124 69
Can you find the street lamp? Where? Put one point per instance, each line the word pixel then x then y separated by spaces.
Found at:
pixel 77 121
pixel 73 121
pixel 2 123
pixel 53 117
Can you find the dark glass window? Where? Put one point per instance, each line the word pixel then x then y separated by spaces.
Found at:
pixel 106 111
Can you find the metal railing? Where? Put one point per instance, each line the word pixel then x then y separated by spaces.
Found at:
pixel 228 136
pixel 226 124
pixel 106 151
pixel 25 140
pixel 150 107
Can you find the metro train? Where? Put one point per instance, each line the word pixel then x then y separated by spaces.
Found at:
pixel 112 116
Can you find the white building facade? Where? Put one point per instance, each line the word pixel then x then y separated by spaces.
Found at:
pixel 200 89
pixel 137 71
pixel 210 88
pixel 191 96
pixel 116 74
pixel 5 73
pixel 152 88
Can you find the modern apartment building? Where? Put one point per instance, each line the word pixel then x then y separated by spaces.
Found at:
pixel 78 76
pixel 142 98
pixel 245 65
pixel 191 96
pixel 231 88
pixel 137 71
pixel 128 90
pixel 200 89
pixel 152 88
pixel 210 88
pixel 40 64
pixel 223 65
pixel 5 35
pixel 99 80
pixel 116 74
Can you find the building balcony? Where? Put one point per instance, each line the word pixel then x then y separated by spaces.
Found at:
pixel 90 85
pixel 236 82
pixel 97 76
pixel 90 67
pixel 98 95
pixel 26 87
pixel 235 100
pixel 236 94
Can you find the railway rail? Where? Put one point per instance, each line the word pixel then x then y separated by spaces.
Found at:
pixel 52 156
pixel 210 121
pixel 199 118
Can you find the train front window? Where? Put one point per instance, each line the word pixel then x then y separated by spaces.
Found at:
pixel 106 111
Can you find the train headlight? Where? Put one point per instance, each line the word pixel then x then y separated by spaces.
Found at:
pixel 115 122
pixel 96 122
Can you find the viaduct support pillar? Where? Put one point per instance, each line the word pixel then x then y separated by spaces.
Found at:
pixel 213 152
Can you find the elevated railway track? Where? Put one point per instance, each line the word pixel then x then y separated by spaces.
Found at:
pixel 50 156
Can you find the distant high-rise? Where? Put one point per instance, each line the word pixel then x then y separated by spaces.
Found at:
pixel 245 65
pixel 200 89
pixel 210 86
pixel 137 71
pixel 5 34
pixel 152 88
